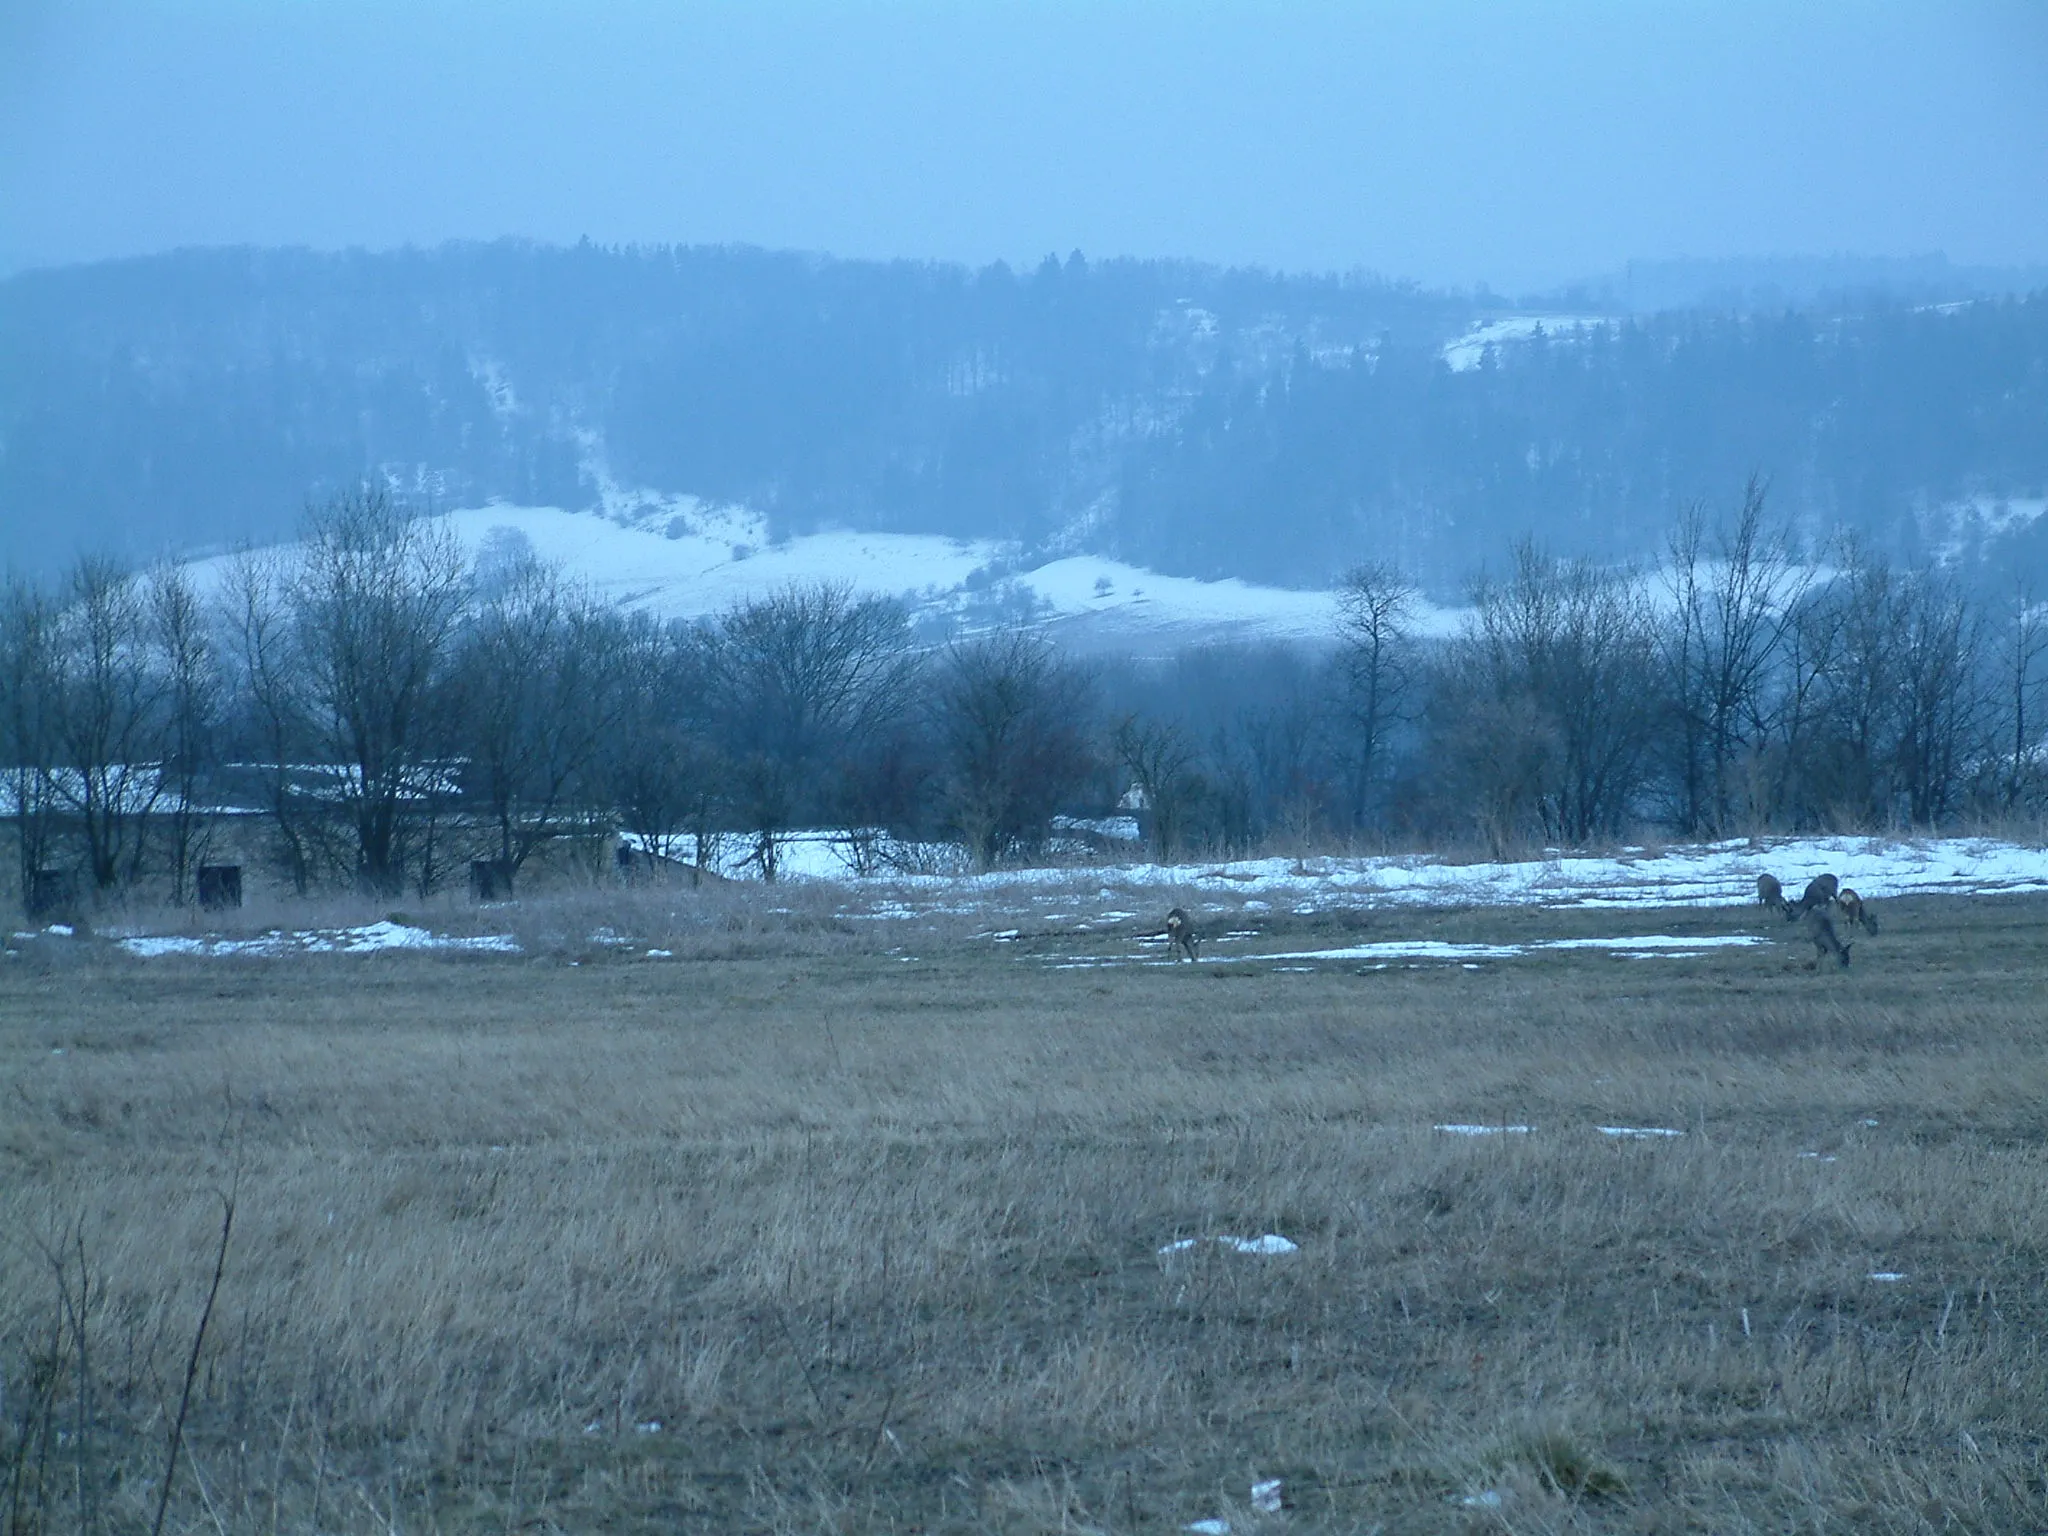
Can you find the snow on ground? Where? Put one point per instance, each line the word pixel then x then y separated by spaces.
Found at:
pixel 1269 1244
pixel 677 557
pixel 1633 948
pixel 1111 898
pixel 1701 875
pixel 1983 517
pixel 1484 1130
pixel 1466 351
pixel 367 939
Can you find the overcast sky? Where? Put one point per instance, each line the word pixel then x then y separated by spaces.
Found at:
pixel 1519 144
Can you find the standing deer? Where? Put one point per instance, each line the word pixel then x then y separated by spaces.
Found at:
pixel 1820 890
pixel 1855 911
pixel 1820 927
pixel 1181 937
pixel 1769 893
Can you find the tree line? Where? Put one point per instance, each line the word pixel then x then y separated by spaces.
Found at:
pixel 396 711
pixel 1194 420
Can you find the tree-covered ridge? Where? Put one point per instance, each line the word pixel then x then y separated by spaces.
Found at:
pixel 1197 420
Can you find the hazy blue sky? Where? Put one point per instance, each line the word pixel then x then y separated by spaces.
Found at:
pixel 1516 143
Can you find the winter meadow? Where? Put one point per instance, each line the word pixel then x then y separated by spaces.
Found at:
pixel 803 769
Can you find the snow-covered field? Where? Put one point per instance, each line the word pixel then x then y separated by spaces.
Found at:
pixel 367 939
pixel 1717 874
pixel 680 559
pixel 676 557
pixel 1129 897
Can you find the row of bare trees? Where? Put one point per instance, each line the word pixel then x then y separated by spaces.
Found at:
pixel 1739 687
pixel 394 710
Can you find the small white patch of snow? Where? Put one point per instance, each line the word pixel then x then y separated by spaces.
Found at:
pixel 661 954
pixel 367 939
pixel 62 930
pixel 648 1427
pixel 1266 1497
pixel 1490 1499
pixel 1208 1527
pixel 1886 1276
pixel 1270 1244
pixel 1654 942
pixel 1637 1132
pixel 1485 1130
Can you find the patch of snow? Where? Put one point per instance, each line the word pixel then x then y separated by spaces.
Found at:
pixel 1701 875
pixel 1485 1130
pixel 1637 1132
pixel 1886 1276
pixel 678 556
pixel 1467 351
pixel 1121 829
pixel 1410 949
pixel 1270 1244
pixel 1490 1499
pixel 1266 1497
pixel 1208 1527
pixel 367 939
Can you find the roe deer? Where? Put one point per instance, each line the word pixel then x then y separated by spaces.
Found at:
pixel 1820 927
pixel 1820 890
pixel 1855 911
pixel 1769 893
pixel 1180 934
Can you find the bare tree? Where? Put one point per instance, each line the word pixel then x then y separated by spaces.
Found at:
pixel 1730 611
pixel 537 671
pixel 2026 643
pixel 1490 748
pixel 1011 716
pixel 1941 703
pixel 1375 613
pixel 1863 688
pixel 798 683
pixel 1570 648
pixel 269 677
pixel 377 601
pixel 183 638
pixel 108 724
pixel 30 685
pixel 660 771
pixel 1162 763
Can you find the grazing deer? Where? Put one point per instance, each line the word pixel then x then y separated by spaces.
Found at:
pixel 1854 911
pixel 1820 890
pixel 1820 927
pixel 1181 937
pixel 1769 893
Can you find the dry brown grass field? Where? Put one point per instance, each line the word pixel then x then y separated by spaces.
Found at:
pixel 858 1227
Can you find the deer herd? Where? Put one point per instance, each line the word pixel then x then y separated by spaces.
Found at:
pixel 1827 906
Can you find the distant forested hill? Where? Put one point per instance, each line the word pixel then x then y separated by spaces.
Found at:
pixel 1200 421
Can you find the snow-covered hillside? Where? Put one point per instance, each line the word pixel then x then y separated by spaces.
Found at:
pixel 676 557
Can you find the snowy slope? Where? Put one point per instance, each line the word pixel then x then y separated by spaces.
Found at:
pixel 678 558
